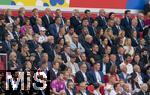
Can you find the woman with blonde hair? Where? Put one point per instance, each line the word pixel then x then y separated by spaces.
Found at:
pixel 128 47
pixel 109 35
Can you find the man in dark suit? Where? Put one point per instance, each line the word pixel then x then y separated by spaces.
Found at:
pixel 126 22
pixel 38 51
pixel 88 16
pixel 140 19
pixel 37 26
pixel 102 21
pixel 6 45
pixel 134 39
pixel 65 55
pixel 33 43
pixel 75 20
pixel 120 55
pixel 8 17
pixel 113 60
pixel 53 72
pixel 85 23
pixel 34 17
pixel 134 27
pixel 93 28
pixel 144 89
pixel 47 19
pixel 95 75
pixel 87 44
pixel 21 16
pixel 83 90
pixel 54 28
pixel 117 27
pixel 16 33
pixel 59 14
pixel 2 27
pixel 105 64
pixel 81 76
pixel 49 48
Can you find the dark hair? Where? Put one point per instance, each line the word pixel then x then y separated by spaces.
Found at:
pixel 71 27
pixel 111 13
pixel 34 9
pixel 84 19
pixel 96 85
pixel 127 55
pixel 69 81
pixel 115 85
pixel 86 11
pixel 127 11
pixel 56 17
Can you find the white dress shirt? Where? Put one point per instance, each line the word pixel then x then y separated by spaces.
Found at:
pixel 98 77
pixel 104 69
pixel 85 78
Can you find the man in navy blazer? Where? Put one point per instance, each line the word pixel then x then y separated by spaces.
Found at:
pixel 47 19
pixel 140 19
pixel 54 28
pixel 105 64
pixel 37 26
pixel 102 21
pixel 75 20
pixel 34 17
pixel 117 27
pixel 126 22
pixel 81 76
pixel 95 75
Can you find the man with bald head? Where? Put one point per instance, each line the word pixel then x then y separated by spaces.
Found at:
pixel 47 19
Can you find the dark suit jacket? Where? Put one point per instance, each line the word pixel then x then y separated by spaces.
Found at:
pixel 140 25
pixel 87 92
pixel 92 31
pixel 49 49
pixel 75 22
pixel 5 47
pixel 53 30
pixel 141 93
pixel 134 42
pixel 126 25
pixel 7 19
pixel 22 20
pixel 2 32
pixel 51 75
pixel 63 56
pixel 67 92
pixel 116 30
pixel 32 45
pixel 123 78
pixel 101 22
pixel 16 36
pixel 92 77
pixel 87 46
pixel 119 61
pixel 32 21
pixel 79 77
pixel 36 29
pixel 108 65
pixel 45 21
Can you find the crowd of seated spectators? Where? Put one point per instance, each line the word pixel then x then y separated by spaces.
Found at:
pixel 106 55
